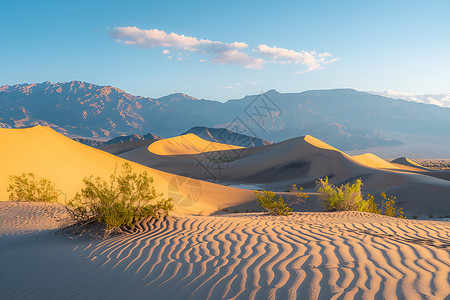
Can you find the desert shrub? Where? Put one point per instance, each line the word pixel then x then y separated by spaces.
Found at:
pixel 345 197
pixel 124 200
pixel 349 197
pixel 388 207
pixel 369 205
pixel 274 205
pixel 26 187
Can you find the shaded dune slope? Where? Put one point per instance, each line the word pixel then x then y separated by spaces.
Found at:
pixel 302 161
pixel 408 164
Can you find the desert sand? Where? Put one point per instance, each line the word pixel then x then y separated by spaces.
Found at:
pixel 201 252
pixel 302 161
pixel 346 255
pixel 46 153
pixel 187 144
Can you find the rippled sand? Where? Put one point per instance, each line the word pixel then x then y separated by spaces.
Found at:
pixel 345 255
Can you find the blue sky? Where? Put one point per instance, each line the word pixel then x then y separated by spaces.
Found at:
pixel 290 46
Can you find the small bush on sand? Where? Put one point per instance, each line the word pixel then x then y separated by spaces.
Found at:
pixel 345 197
pixel 349 197
pixel 26 187
pixel 277 207
pixel 124 200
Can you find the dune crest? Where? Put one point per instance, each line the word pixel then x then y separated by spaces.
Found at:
pixel 406 162
pixel 373 161
pixel 318 143
pixel 187 144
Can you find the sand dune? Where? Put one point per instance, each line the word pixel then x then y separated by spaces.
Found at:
pixel 373 161
pixel 303 161
pixel 187 144
pixel 46 153
pixel 408 164
pixel 344 255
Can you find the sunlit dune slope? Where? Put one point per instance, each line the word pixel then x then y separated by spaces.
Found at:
pixel 373 161
pixel 187 144
pixel 48 154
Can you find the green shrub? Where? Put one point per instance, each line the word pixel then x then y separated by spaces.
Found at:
pixel 27 188
pixel 349 197
pixel 121 202
pixel 345 197
pixel 369 205
pixel 269 202
pixel 388 207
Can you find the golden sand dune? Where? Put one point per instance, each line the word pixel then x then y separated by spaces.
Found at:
pixel 303 161
pixel 46 153
pixel 187 144
pixel 305 156
pixel 318 143
pixel 344 255
pixel 373 161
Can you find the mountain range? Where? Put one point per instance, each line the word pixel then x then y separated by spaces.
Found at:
pixel 225 136
pixel 345 118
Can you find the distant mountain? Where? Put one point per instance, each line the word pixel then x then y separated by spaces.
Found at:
pixel 96 143
pixel 73 108
pixel 345 118
pixel 89 141
pixel 225 136
pixel 132 138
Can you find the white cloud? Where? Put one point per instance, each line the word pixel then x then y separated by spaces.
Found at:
pixel 398 94
pixel 232 86
pixel 310 59
pixel 222 53
pixel 436 99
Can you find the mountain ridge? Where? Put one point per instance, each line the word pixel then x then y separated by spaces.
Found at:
pixel 346 118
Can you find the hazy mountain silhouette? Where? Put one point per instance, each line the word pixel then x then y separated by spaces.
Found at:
pixel 225 136
pixel 96 142
pixel 345 118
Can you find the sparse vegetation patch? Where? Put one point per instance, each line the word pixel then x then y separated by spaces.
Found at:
pixel 26 187
pixel 120 202
pixel 349 197
pixel 276 205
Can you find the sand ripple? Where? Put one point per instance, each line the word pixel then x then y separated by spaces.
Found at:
pixel 315 255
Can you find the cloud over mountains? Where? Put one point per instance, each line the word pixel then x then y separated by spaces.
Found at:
pixel 442 99
pixel 221 53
